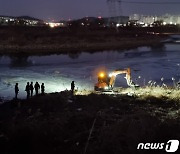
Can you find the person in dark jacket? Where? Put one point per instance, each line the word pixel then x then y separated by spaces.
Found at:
pixel 27 89
pixel 37 87
pixel 31 88
pixel 16 90
pixel 42 88
pixel 72 87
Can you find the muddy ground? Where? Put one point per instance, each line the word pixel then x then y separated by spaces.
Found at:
pixel 87 124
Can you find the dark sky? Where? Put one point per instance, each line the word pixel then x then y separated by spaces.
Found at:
pixel 65 9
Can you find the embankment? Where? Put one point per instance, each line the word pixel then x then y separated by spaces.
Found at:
pixel 44 40
pixel 60 123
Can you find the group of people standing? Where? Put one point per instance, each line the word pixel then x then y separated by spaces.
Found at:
pixel 30 89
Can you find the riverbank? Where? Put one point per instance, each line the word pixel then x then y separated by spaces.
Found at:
pixel 90 124
pixel 76 48
pixel 33 41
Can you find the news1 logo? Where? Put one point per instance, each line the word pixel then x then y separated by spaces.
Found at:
pixel 170 146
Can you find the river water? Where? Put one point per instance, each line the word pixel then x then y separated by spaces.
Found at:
pixel 57 71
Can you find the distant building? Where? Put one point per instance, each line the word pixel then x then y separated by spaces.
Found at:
pixel 23 20
pixel 148 20
pixel 170 19
pixel 5 20
pixel 29 21
pixel 143 20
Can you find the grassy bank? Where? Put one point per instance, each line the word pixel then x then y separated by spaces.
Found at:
pixel 44 40
pixel 60 123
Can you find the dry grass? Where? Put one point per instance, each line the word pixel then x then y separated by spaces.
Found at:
pixel 157 92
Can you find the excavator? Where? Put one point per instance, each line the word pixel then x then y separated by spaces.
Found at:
pixel 106 81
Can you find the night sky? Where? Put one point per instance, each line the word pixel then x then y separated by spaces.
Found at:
pixel 72 9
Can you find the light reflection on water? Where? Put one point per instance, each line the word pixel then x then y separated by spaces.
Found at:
pixel 57 71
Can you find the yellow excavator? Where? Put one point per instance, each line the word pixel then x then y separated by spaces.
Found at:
pixel 106 81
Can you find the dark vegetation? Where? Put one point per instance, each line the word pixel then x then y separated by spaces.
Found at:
pixel 36 40
pixel 59 123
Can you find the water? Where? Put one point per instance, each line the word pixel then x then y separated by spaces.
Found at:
pixel 57 71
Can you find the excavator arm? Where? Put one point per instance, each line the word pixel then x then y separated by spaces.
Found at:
pixel 117 72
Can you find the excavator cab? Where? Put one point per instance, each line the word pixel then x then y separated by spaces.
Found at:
pixel 103 82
